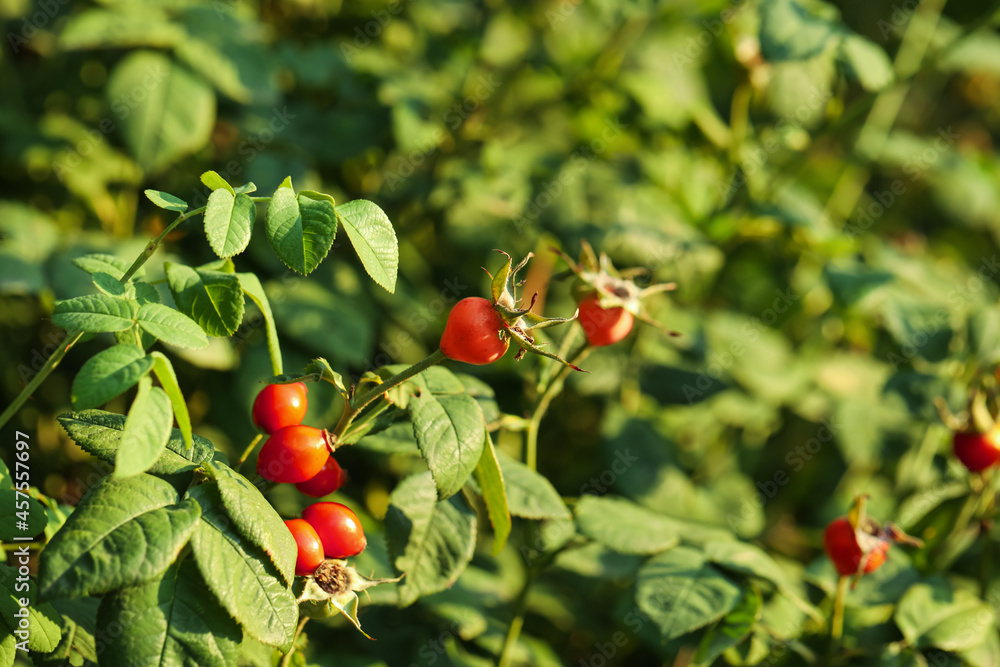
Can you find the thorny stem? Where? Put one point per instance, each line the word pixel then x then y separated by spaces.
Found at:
pixel 359 403
pixel 73 336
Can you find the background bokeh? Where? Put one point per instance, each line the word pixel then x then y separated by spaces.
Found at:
pixel 821 183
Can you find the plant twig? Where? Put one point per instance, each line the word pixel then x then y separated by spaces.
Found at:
pixel 287 659
pixel 359 403
pixel 552 390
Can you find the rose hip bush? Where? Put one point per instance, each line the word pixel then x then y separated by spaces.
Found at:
pixel 725 395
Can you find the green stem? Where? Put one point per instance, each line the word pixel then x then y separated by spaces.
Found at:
pixel 287 660
pixel 837 625
pixel 249 449
pixel 73 336
pixel 553 389
pixel 359 403
pixel 514 631
pixel 50 365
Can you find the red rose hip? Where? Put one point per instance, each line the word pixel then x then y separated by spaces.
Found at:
pixel 280 405
pixel 293 454
pixel 309 552
pixel 475 333
pixel 841 544
pixel 330 478
pixel 338 528
pixel 977 451
pixel 603 326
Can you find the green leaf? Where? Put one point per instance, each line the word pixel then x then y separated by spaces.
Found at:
pixel 146 293
pixel 172 117
pixel 451 433
pixel 529 494
pixel 103 29
pixel 109 373
pixel 622 525
pixel 255 291
pixel 866 62
pixel 213 299
pixel 113 266
pixel 216 182
pixel 300 229
pixel 228 222
pixel 124 532
pixel 753 561
pixel 43 628
pixel 173 620
pixel 796 30
pixel 166 201
pixel 984 334
pixel 733 629
pixel 935 614
pixel 490 481
pixel 431 541
pixel 79 621
pixel 168 380
pixel 681 592
pixel 100 433
pixel 147 430
pixel 317 370
pixel 240 575
pixel 170 326
pixel 8 649
pixel 245 189
pixel 95 313
pixel 373 239
pixel 108 284
pixel 255 519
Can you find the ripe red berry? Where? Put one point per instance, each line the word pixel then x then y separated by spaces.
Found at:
pixel 842 547
pixel 338 528
pixel 473 332
pixel 977 451
pixel 293 454
pixel 603 326
pixel 310 549
pixel 279 405
pixel 330 478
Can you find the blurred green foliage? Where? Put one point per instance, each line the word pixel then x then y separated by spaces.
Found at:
pixel 821 182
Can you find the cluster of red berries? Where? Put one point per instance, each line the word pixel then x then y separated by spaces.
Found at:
pixel 300 455
pixel 473 333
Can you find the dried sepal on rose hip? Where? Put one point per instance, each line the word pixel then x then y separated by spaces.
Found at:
pixel 609 299
pixel 333 588
pixel 858 544
pixel 479 331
